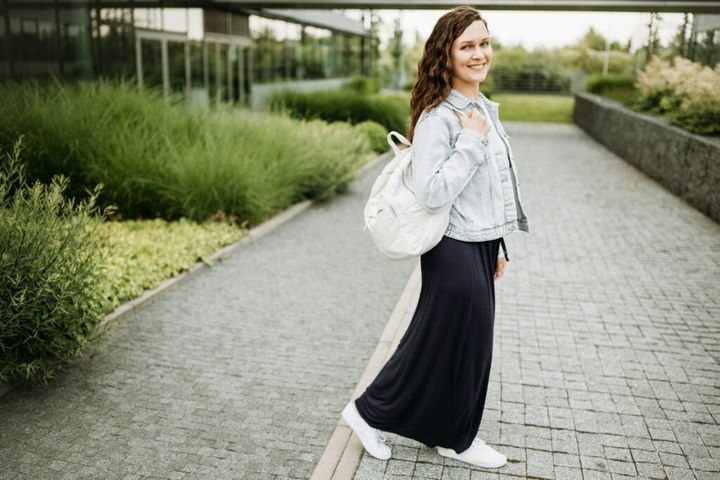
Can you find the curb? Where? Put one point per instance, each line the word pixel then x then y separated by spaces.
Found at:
pixel 343 451
pixel 253 234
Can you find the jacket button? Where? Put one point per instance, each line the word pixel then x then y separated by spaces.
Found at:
pixel 508 204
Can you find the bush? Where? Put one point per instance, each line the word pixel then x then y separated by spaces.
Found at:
pixel 49 251
pixel 342 106
pixel 376 133
pixel 618 87
pixel 363 85
pixel 699 119
pixel 172 162
pixel 599 84
pixel 687 93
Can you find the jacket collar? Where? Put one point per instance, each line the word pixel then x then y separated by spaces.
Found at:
pixel 458 100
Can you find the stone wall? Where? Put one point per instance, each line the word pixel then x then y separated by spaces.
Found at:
pixel 687 164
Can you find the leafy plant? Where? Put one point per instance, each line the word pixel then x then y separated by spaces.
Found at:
pixel 49 252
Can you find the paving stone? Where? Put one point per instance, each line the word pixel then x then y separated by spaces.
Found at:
pixel 605 350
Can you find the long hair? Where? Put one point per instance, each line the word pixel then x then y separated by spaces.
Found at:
pixel 434 69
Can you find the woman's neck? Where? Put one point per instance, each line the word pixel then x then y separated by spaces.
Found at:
pixel 470 90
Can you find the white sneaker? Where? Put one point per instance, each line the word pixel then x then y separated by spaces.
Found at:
pixel 371 438
pixel 479 454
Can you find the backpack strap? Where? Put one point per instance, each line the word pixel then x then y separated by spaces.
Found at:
pixel 392 143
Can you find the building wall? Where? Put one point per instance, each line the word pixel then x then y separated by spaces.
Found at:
pixel 200 55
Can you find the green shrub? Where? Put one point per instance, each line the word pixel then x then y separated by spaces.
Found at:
pixel 363 85
pixel 342 106
pixel 617 87
pixel 376 133
pixel 702 119
pixel 139 254
pixel 173 162
pixel 49 251
pixel 598 84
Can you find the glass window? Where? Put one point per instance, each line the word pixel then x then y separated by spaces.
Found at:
pixel 175 20
pixel 176 69
pixel 4 60
pixel 223 94
pixel 150 18
pixel 151 52
pixel 75 47
pixel 212 71
pixel 195 24
pixel 115 41
pixel 32 36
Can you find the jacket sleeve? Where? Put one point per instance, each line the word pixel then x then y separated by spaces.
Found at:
pixel 440 172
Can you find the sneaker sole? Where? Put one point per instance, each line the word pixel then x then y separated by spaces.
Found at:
pixel 455 456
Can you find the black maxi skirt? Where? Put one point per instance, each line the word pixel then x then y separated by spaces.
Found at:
pixel 433 387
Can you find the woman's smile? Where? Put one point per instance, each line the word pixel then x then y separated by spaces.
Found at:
pixel 477 67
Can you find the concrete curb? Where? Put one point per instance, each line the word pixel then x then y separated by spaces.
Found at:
pixel 343 452
pixel 253 234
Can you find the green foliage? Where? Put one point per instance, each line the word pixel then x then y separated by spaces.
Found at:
pixel 599 84
pixel 49 252
pixel 363 85
pixel 376 133
pixel 139 254
pixel 342 106
pixel 702 119
pixel 618 87
pixel 172 162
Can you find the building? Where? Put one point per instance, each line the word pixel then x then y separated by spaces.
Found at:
pixel 203 55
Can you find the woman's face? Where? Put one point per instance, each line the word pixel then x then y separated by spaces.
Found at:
pixel 471 54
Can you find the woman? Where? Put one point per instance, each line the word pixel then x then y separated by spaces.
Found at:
pixel 433 388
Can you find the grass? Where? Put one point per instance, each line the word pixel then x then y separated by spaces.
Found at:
pixel 527 107
pixel 175 162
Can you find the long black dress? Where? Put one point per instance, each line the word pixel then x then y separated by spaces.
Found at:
pixel 433 387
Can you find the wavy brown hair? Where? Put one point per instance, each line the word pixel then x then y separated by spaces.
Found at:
pixel 434 69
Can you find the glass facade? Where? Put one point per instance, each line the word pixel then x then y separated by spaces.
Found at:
pixel 204 56
pixel 284 51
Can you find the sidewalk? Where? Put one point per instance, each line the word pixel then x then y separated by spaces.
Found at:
pixel 607 343
pixel 607 336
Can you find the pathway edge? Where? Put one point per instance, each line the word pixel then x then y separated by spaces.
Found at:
pixel 342 454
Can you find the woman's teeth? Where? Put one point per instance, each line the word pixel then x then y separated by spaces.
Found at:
pixel 476 67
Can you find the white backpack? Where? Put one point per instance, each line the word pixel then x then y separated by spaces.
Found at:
pixel 399 224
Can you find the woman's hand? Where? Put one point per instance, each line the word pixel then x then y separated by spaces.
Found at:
pixel 500 267
pixel 475 121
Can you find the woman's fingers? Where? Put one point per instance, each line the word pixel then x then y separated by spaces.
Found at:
pixel 500 268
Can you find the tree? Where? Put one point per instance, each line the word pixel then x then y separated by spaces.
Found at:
pixel 679 44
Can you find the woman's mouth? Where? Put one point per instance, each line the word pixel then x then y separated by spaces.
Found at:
pixel 477 66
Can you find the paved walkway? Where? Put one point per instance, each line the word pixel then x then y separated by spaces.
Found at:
pixel 238 373
pixel 607 337
pixel 605 363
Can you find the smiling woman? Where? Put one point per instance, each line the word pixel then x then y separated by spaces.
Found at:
pixel 434 386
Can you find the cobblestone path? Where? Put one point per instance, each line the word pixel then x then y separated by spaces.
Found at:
pixel 607 337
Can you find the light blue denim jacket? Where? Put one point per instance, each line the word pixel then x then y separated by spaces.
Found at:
pixel 455 165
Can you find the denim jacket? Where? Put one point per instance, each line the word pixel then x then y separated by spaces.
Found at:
pixel 456 166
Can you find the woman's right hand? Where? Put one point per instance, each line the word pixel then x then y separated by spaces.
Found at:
pixel 475 121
